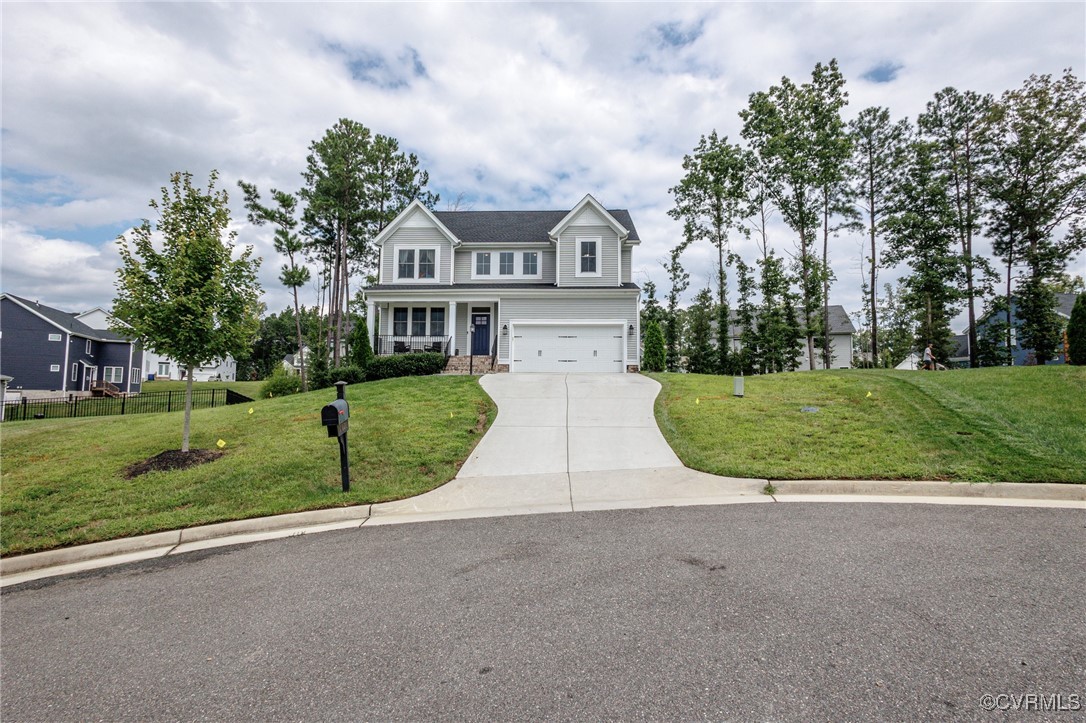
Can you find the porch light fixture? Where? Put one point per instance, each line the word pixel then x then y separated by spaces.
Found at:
pixel 631 329
pixel 505 330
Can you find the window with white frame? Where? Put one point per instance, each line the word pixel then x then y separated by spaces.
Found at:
pixel 114 375
pixel 399 321
pixel 505 263
pixel 416 264
pixel 437 321
pixel 588 263
pixel 164 369
pixel 54 367
pixel 54 337
pixel 75 372
pixel 135 375
pixel 482 263
pixel 530 263
pixel 90 347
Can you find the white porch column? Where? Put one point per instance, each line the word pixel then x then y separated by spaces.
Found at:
pixel 371 328
pixel 452 328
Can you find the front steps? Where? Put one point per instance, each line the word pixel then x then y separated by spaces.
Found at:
pixel 476 364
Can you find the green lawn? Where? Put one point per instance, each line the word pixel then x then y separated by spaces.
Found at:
pixel 249 389
pixel 63 480
pixel 1002 424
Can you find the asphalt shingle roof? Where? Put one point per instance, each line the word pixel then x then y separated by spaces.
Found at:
pixel 66 321
pixel 487 285
pixel 514 226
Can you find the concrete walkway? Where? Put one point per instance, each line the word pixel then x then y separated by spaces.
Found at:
pixel 560 443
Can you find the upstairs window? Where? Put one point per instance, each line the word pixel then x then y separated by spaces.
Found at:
pixel 505 263
pixel 54 337
pixel 587 260
pixel 405 268
pixel 482 263
pixel 90 348
pixel 531 263
pixel 427 267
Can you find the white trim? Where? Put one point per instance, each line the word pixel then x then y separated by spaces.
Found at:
pixel 398 221
pixel 495 265
pixel 67 350
pixel 54 368
pixel 577 241
pixel 88 347
pixel 106 374
pixel 588 200
pixel 416 247
pixel 128 386
pixel 58 336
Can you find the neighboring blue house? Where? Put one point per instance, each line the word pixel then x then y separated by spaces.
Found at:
pixel 45 349
pixel 1021 356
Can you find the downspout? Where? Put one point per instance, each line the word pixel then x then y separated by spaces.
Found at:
pixel 128 387
pixel 64 371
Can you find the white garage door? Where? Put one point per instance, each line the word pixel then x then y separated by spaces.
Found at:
pixel 573 348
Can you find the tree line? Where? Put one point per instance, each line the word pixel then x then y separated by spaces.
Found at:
pixel 921 193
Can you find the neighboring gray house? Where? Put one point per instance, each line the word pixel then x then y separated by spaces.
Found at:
pixel 1024 356
pixel 537 291
pixel 841 333
pixel 163 367
pixel 46 349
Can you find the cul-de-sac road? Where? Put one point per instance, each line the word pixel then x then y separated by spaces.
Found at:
pixel 806 612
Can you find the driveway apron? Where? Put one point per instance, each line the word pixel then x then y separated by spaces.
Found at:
pixel 565 442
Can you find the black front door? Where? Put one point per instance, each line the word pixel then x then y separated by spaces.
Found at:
pixel 480 340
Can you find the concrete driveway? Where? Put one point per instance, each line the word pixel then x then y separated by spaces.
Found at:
pixel 565 442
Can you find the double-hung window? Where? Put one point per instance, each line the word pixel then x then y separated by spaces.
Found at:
pixel 587 259
pixel 482 263
pixel 399 321
pixel 90 348
pixel 427 266
pixel 530 266
pixel 505 263
pixel 437 322
pixel 418 322
pixel 406 264
pixel 114 375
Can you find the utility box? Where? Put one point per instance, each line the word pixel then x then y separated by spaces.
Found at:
pixel 334 417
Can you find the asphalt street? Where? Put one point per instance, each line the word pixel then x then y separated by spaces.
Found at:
pixel 805 612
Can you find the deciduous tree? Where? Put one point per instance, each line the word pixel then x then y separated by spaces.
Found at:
pixel 192 300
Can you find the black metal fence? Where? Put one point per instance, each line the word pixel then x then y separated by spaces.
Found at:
pixel 388 344
pixel 143 403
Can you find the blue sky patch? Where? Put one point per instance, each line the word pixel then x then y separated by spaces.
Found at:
pixel 674 35
pixel 883 72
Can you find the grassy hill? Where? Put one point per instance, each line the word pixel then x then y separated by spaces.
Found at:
pixel 63 481
pixel 1022 424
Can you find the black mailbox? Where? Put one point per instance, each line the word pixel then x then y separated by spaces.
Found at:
pixel 334 416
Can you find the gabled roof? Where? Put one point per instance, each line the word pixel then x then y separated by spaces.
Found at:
pixel 403 216
pixel 64 320
pixel 589 202
pixel 503 227
pixel 1065 303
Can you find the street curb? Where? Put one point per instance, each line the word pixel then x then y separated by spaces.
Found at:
pixel 173 538
pixel 989 490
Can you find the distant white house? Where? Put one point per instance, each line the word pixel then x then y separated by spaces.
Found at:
pixel 158 366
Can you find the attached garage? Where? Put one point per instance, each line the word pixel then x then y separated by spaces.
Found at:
pixel 565 347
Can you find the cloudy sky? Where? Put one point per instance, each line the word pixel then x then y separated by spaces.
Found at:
pixel 512 106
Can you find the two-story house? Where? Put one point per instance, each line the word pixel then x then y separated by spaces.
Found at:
pixel 46 349
pixel 534 291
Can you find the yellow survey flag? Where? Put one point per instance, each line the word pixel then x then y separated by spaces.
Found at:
pixel 221 443
pixel 250 410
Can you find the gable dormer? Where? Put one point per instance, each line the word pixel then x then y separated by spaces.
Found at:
pixel 416 248
pixel 592 247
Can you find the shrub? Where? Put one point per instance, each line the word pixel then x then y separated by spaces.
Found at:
pixel 281 383
pixel 415 364
pixel 1076 333
pixel 351 374
pixel 655 353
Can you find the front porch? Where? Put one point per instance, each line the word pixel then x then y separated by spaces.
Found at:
pixel 465 331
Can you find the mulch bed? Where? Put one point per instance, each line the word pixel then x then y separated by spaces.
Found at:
pixel 172 459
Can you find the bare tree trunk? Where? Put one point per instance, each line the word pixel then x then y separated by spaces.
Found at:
pixel 826 283
pixel 1010 353
pixel 188 407
pixel 298 328
pixel 874 265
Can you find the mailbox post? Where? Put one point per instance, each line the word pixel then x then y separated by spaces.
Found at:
pixel 335 417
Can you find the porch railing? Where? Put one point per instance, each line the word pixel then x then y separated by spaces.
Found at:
pixel 389 344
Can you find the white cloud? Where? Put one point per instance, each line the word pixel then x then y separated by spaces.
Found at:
pixel 514 105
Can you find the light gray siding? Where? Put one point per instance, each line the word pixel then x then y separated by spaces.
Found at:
pixel 572 308
pixel 608 256
pixel 627 264
pixel 463 261
pixel 421 236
